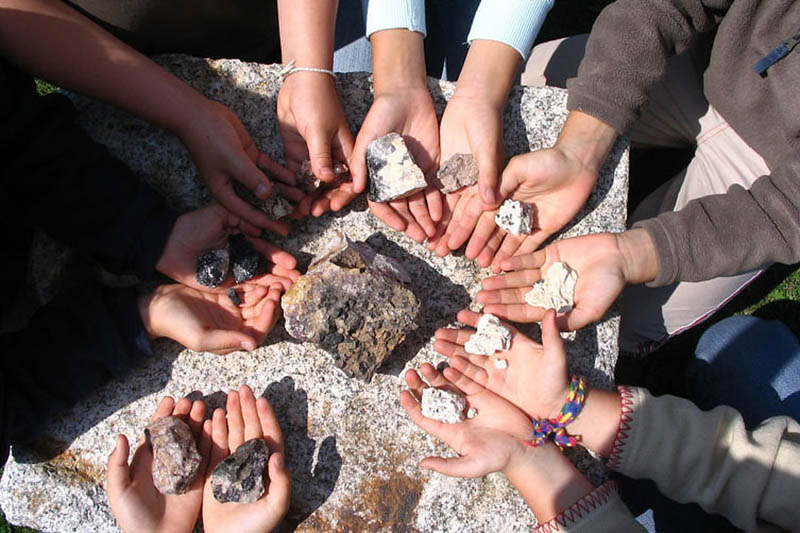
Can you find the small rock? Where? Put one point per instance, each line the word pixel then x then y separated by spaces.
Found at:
pixel 234 296
pixel 245 259
pixel 176 461
pixel 556 290
pixel 212 267
pixel 491 336
pixel 392 171
pixel 515 217
pixel 240 476
pixel 500 364
pixel 309 183
pixel 443 405
pixel 472 413
pixel 275 205
pixel 459 171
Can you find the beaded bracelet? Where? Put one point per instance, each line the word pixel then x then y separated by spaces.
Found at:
pixel 290 69
pixel 554 428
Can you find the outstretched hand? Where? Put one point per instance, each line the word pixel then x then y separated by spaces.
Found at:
pixel 136 503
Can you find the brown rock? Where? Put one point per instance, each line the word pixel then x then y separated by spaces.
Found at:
pixel 176 461
pixel 459 171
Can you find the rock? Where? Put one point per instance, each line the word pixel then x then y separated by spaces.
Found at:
pixel 500 364
pixel 212 267
pixel 234 297
pixel 491 336
pixel 392 171
pixel 471 413
pixel 276 206
pixel 176 461
pixel 556 290
pixel 459 171
pixel 308 182
pixel 240 477
pixel 515 217
pixel 245 260
pixel 353 303
pixel 443 405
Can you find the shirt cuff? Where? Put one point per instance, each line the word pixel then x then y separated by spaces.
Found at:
pixel 513 22
pixel 394 14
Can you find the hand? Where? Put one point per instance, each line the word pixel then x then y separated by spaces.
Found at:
pixel 136 503
pixel 224 152
pixel 536 380
pixel 313 127
pixel 601 268
pixel 210 322
pixel 485 443
pixel 247 419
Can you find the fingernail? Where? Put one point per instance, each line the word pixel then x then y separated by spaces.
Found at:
pixel 279 461
pixel 327 172
pixel 262 191
pixel 488 195
pixel 248 345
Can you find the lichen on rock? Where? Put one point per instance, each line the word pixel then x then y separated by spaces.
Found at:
pixel 176 461
pixel 556 290
pixel 393 174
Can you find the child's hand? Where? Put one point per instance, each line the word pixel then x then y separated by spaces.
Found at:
pixel 536 378
pixel 486 443
pixel 136 503
pixel 211 322
pixel 248 418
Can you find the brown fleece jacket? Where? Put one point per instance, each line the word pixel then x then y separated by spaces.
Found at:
pixel 741 230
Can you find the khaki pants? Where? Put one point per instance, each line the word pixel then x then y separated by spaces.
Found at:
pixel 677 115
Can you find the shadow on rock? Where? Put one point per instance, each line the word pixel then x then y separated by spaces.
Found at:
pixel 314 469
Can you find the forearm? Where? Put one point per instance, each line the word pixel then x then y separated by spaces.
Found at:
pixel 586 139
pixel 299 19
pixel 51 40
pixel 398 61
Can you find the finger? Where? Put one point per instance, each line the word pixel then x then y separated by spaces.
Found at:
pixel 504 296
pixel 578 318
pixel 218 340
pixel 263 324
pixel 415 383
pixel 235 421
pixel 470 318
pixel 320 206
pixel 164 408
pixel 341 197
pixel 280 485
pixel 532 243
pixel 319 153
pixel 197 415
pixel 551 340
pixel 204 447
pixel 273 253
pixel 467 375
pixel 522 313
pixel 462 466
pixel 429 425
pixel 465 217
pixel 275 170
pixel 455 336
pixel 244 170
pixel 512 280
pixel 513 175
pixel 418 207
pixel 435 204
pixel 358 161
pixel 119 477
pixel 413 228
pixel 434 377
pixel 487 255
pixel 250 295
pixel 219 440
pixel 522 261
pixel 484 230
pixel 448 349
pixel 182 408
pixel 228 198
pixel 508 248
pixel 293 194
pixel 252 424
pixel 388 216
pixel 269 425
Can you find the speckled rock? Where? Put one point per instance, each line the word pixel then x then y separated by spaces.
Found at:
pixel 352 302
pixel 212 267
pixel 490 337
pixel 393 174
pixel 443 405
pixel 176 461
pixel 556 290
pixel 515 217
pixel 240 477
pixel 460 170
pixel 308 182
pixel 352 450
pixel 246 261
pixel 276 206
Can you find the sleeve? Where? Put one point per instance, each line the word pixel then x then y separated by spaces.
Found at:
pixel 731 233
pixel 513 22
pixel 394 14
pixel 600 511
pixel 627 52
pixel 708 457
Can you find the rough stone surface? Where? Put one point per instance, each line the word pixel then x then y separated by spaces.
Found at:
pixel 491 336
pixel 353 303
pixel 352 450
pixel 460 170
pixel 276 206
pixel 240 477
pixel 443 405
pixel 234 297
pixel 308 182
pixel 176 461
pixel 246 262
pixel 393 173
pixel 212 267
pixel 556 290
pixel 515 217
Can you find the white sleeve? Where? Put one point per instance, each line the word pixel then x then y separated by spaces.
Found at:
pixel 513 22
pixel 393 14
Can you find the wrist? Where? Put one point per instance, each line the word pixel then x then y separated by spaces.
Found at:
pixel 488 72
pixel 597 423
pixel 586 140
pixel 145 303
pixel 640 263
pixel 398 61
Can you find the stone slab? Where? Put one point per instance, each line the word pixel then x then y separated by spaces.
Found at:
pixel 352 450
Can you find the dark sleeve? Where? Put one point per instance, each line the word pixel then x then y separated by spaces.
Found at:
pixel 731 233
pixel 73 188
pixel 627 54
pixel 70 348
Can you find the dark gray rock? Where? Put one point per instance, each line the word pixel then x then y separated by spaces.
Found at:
pixel 459 171
pixel 392 171
pixel 246 261
pixel 212 267
pixel 176 461
pixel 353 303
pixel 234 297
pixel 240 477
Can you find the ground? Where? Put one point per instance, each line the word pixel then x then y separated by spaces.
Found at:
pixel 775 295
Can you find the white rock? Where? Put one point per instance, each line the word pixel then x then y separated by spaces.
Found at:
pixel 472 413
pixel 556 290
pixel 392 171
pixel 500 364
pixel 443 405
pixel 491 336
pixel 515 217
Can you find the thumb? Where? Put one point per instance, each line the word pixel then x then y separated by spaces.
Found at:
pixel 487 176
pixel 119 477
pixel 319 153
pixel 247 173
pixel 513 175
pixel 280 484
pixel 218 340
pixel 553 344
pixel 462 466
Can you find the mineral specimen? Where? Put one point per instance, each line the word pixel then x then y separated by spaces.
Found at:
pixel 515 217
pixel 308 182
pixel 459 171
pixel 392 171
pixel 472 413
pixel 275 205
pixel 491 336
pixel 556 290
pixel 500 364
pixel 443 405
pixel 240 476
pixel 176 461
pixel 234 297
pixel 245 259
pixel 212 267
pixel 353 303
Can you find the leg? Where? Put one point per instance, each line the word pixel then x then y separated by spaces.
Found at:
pixel 352 49
pixel 448 23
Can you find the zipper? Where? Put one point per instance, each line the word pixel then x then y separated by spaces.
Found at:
pixel 781 51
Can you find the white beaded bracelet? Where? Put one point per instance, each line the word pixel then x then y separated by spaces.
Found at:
pixel 290 69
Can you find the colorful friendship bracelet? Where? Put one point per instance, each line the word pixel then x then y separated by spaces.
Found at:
pixel 545 429
pixel 290 69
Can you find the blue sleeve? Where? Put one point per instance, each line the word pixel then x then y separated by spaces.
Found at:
pixel 513 22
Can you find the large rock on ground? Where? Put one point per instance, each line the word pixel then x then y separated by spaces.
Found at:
pixel 352 450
